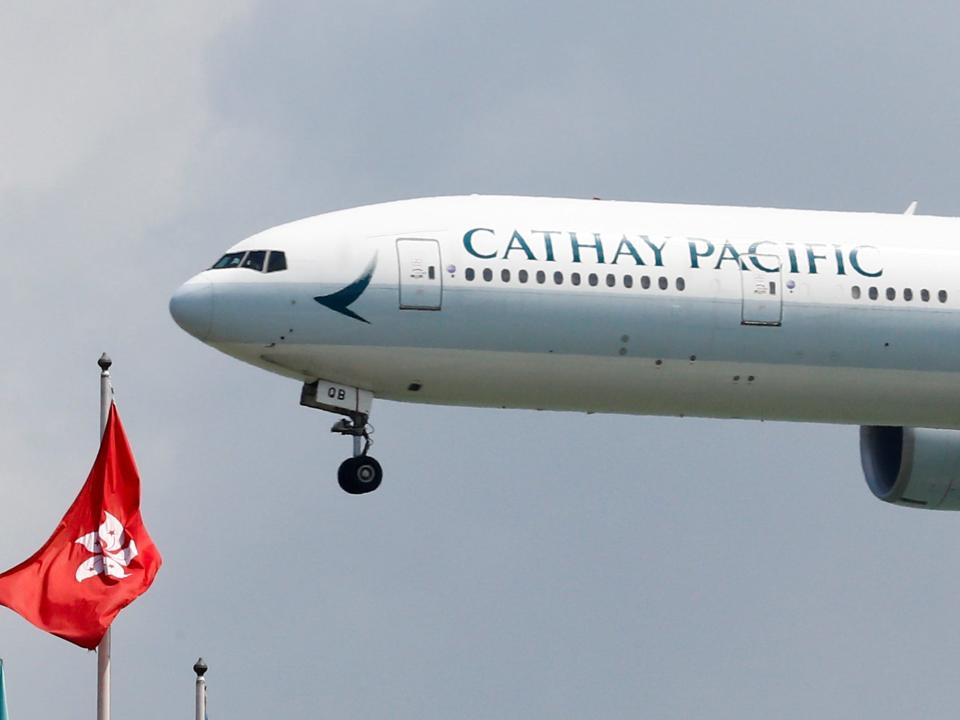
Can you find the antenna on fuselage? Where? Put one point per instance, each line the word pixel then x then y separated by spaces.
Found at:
pixel 911 209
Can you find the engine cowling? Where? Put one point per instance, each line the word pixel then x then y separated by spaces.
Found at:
pixel 915 467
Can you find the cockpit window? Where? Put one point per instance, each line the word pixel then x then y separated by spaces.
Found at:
pixel 278 261
pixel 230 260
pixel 257 260
pixel 254 260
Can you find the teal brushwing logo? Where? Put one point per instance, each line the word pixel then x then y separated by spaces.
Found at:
pixel 341 300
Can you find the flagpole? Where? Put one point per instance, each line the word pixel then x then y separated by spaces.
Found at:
pixel 3 694
pixel 103 649
pixel 200 667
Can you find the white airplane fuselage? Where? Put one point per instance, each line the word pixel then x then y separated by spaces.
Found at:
pixel 601 306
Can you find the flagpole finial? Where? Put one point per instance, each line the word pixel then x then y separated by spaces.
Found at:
pixel 200 667
pixel 105 362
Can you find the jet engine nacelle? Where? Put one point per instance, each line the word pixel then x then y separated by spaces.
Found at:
pixel 916 467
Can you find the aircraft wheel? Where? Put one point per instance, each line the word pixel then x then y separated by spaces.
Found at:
pixel 360 475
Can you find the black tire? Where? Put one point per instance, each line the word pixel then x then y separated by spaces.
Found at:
pixel 360 475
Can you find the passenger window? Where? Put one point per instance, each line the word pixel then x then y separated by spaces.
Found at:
pixel 925 295
pixel 682 284
pixel 558 278
pixel 593 279
pixel 891 294
pixel 855 292
pixel 574 278
pixel 645 282
pixel 469 274
pixel 907 294
pixel 505 275
pixel 611 280
pixel 942 296
pixel 873 293
pixel 254 260
pixel 277 261
pixel 487 274
pixel 541 277
pixel 628 281
pixel 230 260
pixel 522 276
pixel 662 282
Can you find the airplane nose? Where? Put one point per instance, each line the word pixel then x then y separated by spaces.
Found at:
pixel 192 307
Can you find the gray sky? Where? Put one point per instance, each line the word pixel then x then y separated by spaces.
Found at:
pixel 514 564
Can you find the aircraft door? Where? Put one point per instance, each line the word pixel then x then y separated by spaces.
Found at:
pixel 421 282
pixel 762 287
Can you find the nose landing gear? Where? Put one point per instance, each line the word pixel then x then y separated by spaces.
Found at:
pixel 361 473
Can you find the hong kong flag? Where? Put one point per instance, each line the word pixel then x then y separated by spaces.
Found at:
pixel 98 560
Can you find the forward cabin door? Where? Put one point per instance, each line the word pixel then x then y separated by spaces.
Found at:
pixel 421 283
pixel 762 291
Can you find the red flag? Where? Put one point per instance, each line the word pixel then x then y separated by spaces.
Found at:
pixel 98 560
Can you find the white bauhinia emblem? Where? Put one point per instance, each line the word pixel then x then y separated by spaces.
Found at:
pixel 110 556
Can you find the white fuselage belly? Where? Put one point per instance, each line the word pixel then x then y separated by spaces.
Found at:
pixel 479 378
pixel 829 343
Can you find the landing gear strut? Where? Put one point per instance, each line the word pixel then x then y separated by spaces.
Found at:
pixel 361 473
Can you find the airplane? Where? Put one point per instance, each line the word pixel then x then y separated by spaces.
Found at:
pixel 613 307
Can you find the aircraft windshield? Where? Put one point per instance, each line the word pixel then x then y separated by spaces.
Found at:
pixel 257 260
pixel 228 261
pixel 254 259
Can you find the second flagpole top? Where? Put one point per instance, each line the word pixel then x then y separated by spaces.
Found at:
pixel 105 362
